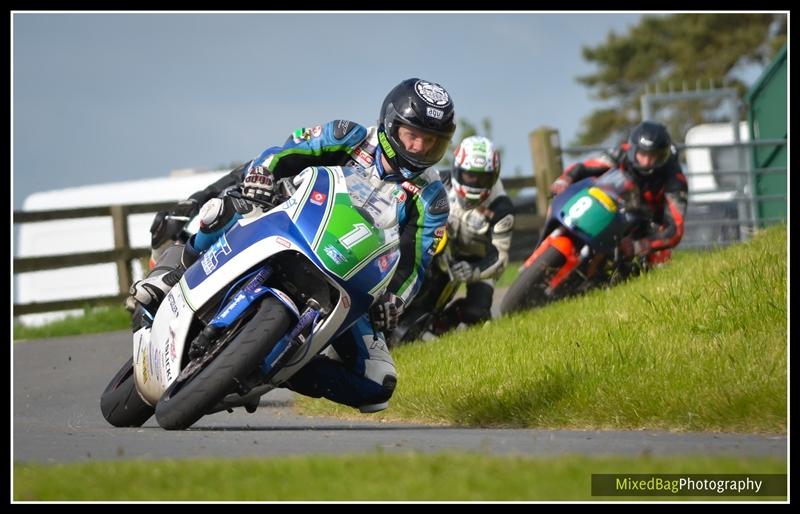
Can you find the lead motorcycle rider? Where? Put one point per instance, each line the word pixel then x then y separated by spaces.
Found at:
pixel 415 126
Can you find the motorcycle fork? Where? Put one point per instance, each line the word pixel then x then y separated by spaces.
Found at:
pixel 207 337
pixel 541 248
pixel 283 350
pixel 288 346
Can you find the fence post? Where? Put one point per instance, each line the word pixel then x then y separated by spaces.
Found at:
pixel 119 217
pixel 547 165
pixel 752 185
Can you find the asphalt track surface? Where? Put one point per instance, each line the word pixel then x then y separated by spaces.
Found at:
pixel 56 419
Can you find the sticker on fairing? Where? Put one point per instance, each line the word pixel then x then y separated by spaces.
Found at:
pixel 172 304
pixel 210 259
pixel 383 263
pixel 318 198
pixel 145 372
pixel 334 254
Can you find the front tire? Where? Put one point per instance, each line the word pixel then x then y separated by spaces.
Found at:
pixel 528 290
pixel 410 328
pixel 121 404
pixel 187 400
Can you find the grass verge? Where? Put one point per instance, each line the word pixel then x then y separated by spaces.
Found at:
pixel 377 476
pixel 93 320
pixel 699 345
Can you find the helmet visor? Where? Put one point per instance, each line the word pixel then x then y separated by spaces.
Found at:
pixel 651 158
pixel 476 179
pixel 419 147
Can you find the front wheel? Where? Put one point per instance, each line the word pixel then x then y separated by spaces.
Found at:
pixel 190 398
pixel 411 326
pixel 121 404
pixel 529 289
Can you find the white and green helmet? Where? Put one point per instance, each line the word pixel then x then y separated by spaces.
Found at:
pixel 476 167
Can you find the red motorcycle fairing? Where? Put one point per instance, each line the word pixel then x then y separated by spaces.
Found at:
pixel 566 247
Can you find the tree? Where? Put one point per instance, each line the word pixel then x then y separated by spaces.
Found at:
pixel 675 50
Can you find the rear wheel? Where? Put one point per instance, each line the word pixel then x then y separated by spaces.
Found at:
pixel 121 404
pixel 528 290
pixel 191 397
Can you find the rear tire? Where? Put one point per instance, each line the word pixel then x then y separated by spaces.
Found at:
pixel 184 402
pixel 121 404
pixel 528 290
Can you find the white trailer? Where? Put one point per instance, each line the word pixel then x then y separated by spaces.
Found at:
pixel 717 184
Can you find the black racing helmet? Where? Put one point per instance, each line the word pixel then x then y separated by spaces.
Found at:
pixel 422 105
pixel 649 138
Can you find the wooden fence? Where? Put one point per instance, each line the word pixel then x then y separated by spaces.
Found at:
pixel 122 254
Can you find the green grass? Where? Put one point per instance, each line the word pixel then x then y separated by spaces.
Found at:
pixel 700 344
pixel 376 476
pixel 93 320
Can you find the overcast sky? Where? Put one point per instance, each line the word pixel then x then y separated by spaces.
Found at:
pixel 109 97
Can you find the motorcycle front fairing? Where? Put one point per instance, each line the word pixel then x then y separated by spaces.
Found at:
pixel 591 213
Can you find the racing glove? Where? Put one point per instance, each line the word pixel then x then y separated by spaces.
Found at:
pixel 259 186
pixel 631 247
pixel 385 312
pixel 465 272
pixel 560 184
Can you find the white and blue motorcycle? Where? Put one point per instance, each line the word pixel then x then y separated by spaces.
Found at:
pixel 268 296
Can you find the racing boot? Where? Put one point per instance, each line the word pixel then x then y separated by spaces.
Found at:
pixel 151 291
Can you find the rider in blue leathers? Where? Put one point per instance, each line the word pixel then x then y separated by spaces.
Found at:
pixel 416 124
